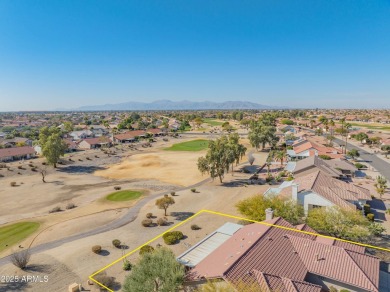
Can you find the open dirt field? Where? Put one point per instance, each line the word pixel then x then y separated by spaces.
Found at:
pixel 175 167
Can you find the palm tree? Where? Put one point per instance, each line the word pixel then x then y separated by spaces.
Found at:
pixel 280 156
pixel 345 130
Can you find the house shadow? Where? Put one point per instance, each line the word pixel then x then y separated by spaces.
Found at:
pixel 79 169
pixel 378 207
pixel 181 216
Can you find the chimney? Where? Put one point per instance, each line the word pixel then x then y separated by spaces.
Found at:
pixel 269 214
pixel 294 194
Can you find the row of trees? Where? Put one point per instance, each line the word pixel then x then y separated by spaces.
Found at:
pixel 263 132
pixel 334 221
pixel 222 154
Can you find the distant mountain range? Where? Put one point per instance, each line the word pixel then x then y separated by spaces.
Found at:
pixel 178 105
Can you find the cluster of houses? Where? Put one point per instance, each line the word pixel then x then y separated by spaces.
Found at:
pixel 275 256
pixel 21 148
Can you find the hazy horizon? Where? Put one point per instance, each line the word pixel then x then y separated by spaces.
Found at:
pixel 298 54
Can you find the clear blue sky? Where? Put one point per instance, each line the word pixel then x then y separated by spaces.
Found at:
pixel 311 53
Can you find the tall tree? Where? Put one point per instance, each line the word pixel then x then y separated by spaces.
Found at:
pixel 164 203
pixel 221 154
pixel 157 271
pixel 52 144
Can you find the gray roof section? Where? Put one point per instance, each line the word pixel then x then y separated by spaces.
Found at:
pixel 202 249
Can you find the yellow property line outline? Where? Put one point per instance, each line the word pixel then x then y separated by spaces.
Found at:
pixel 229 216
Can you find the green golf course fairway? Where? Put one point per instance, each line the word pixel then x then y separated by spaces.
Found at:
pixel 15 233
pixel 194 145
pixel 212 122
pixel 125 195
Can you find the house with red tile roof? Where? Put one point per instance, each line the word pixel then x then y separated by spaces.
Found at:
pixel 304 148
pixel 271 256
pixel 16 153
pixel 129 136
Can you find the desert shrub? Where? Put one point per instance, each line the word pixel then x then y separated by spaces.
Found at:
pixel 96 156
pixel 146 249
pixel 127 265
pixel 96 249
pixel 359 165
pixel 269 178
pixel 117 188
pixel 173 194
pixel 162 222
pixel 80 159
pixel 367 209
pixel 88 158
pixel 12 183
pixel 370 216
pixel 105 280
pixel 20 167
pixel 149 215
pixel 43 163
pixel 344 290
pixel 290 178
pixel 3 165
pixel 193 190
pixel 20 259
pixel 55 209
pixel 70 206
pixel 147 222
pixel 116 243
pixel 172 237
pixel 1 175
pixel 333 289
pixel 34 168
pixel 195 227
pixel 244 222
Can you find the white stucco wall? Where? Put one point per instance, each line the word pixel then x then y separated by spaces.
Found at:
pixel 311 198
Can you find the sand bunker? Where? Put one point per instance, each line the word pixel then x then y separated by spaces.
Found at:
pixel 171 167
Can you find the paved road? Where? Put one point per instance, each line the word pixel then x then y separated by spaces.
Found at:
pixel 379 164
pixel 130 216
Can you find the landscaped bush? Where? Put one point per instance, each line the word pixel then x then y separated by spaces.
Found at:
pixel 1 175
pixel 269 178
pixel 117 188
pixel 244 222
pixel 127 265
pixel 149 215
pixel 3 165
pixel 370 216
pixel 173 194
pixel 147 222
pixel 193 190
pixel 146 249
pixel 358 165
pixel 162 222
pixel 70 206
pixel 324 157
pixel 116 243
pixel 96 249
pixel 55 209
pixel 367 209
pixel 43 163
pixel 20 167
pixel 172 237
pixel 105 280
pixel 195 227
pixel 12 183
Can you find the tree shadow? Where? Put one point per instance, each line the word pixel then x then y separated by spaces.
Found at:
pixel 80 169
pixel 14 286
pixel 181 216
pixel 235 183
pixel 104 252
pixel 124 246
pixel 39 268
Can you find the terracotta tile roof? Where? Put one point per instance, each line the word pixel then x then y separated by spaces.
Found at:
pixel 316 161
pixel 98 140
pixel 279 259
pixel 339 264
pixel 154 131
pixel 16 151
pixel 334 190
pixel 271 283
pixel 129 135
